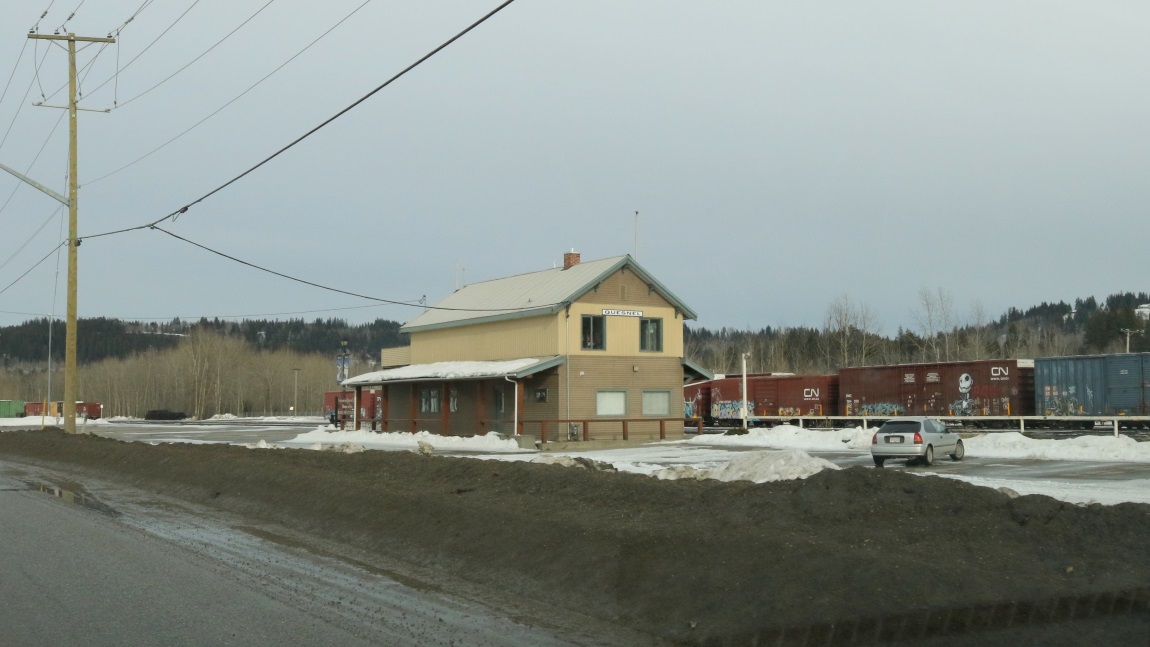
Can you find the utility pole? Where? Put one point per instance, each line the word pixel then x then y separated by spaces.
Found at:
pixel 1128 332
pixel 70 369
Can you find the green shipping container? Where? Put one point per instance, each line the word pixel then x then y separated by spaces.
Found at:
pixel 11 408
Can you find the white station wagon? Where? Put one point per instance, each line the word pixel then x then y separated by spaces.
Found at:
pixel 915 439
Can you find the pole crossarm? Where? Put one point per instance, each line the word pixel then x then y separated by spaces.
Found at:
pixel 71 37
pixel 36 185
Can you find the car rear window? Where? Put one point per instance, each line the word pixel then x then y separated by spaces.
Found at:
pixel 901 427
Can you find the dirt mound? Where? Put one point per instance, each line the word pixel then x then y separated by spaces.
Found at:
pixel 693 561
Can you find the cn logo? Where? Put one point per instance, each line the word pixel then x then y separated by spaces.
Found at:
pixel 999 371
pixel 810 394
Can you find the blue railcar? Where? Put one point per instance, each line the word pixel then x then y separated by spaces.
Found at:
pixel 1093 385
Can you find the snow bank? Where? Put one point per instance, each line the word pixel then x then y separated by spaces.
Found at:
pixel 224 416
pixel 792 437
pixel 1012 444
pixel 324 437
pixel 759 467
pixel 35 422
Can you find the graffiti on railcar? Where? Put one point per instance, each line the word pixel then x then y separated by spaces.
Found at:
pixel 730 409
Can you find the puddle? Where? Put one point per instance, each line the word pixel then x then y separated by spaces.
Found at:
pixel 78 498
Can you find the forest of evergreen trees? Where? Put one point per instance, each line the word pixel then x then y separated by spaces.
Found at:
pixel 210 367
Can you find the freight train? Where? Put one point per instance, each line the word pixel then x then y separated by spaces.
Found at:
pixel 1058 391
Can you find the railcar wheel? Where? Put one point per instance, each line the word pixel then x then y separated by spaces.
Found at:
pixel 959 452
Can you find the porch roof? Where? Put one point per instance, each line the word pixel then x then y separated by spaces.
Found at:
pixel 457 371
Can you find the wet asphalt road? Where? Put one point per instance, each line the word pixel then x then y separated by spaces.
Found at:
pixel 98 565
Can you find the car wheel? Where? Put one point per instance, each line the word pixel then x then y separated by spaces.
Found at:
pixel 959 452
pixel 878 461
pixel 928 458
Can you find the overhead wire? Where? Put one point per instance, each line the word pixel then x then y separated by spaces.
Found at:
pixel 175 214
pixel 33 163
pixel 34 266
pixel 144 51
pixel 12 75
pixel 337 290
pixel 36 64
pixel 233 100
pixel 243 316
pixel 189 63
pixel 154 225
pixel 32 237
pixel 63 26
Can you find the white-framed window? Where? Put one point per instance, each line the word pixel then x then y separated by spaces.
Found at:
pixel 651 335
pixel 429 400
pixel 656 403
pixel 453 400
pixel 594 332
pixel 611 403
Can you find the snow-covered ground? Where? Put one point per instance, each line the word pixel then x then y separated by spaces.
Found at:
pixel 782 452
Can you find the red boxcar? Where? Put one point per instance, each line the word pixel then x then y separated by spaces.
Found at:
pixel 90 410
pixel 768 395
pixel 978 388
pixel 341 404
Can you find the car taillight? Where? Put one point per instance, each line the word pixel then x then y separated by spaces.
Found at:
pixel 874 439
pixel 917 438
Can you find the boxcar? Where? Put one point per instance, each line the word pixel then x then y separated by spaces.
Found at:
pixel 978 388
pixel 1093 385
pixel 90 410
pixel 11 408
pixel 768 395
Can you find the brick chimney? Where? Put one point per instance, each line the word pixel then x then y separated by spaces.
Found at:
pixel 570 259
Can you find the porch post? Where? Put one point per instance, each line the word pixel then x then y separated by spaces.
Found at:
pixel 355 411
pixel 520 393
pixel 414 408
pixel 385 406
pixel 481 407
pixel 445 409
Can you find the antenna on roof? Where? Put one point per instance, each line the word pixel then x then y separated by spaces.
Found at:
pixel 635 252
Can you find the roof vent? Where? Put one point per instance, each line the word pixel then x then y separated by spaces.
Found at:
pixel 570 259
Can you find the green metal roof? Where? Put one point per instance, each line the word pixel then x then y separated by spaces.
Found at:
pixel 531 295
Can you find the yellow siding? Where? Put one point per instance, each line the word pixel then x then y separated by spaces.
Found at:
pixel 400 356
pixel 529 337
pixel 623 332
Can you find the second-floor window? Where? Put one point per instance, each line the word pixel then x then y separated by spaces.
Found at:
pixel 594 332
pixel 651 335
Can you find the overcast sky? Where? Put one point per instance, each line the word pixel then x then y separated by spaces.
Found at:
pixel 780 154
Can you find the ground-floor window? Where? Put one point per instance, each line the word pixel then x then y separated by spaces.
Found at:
pixel 611 403
pixel 453 400
pixel 429 401
pixel 497 400
pixel 656 403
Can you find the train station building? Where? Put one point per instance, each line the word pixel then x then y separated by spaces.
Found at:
pixel 589 350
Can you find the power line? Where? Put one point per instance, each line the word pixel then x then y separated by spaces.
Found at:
pixel 38 153
pixel 233 100
pixel 12 75
pixel 20 106
pixel 175 214
pixel 337 290
pixel 34 266
pixel 33 236
pixel 143 51
pixel 205 53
